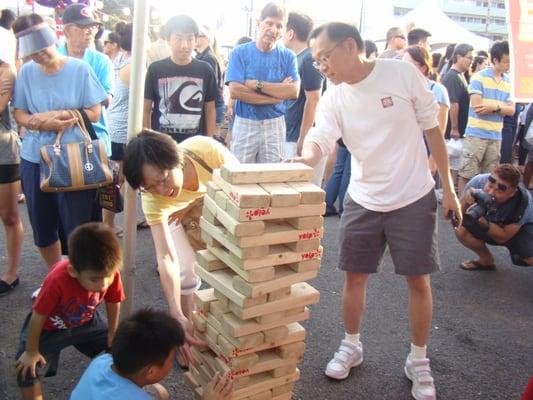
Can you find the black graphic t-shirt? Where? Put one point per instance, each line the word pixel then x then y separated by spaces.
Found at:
pixel 178 93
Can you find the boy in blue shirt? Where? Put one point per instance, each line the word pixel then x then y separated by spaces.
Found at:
pixel 142 354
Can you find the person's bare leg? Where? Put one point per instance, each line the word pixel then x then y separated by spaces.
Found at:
pixel 32 393
pixel 9 214
pixel 528 174
pixel 187 305
pixel 461 185
pixel 420 308
pixel 51 254
pixel 353 301
pixel 477 246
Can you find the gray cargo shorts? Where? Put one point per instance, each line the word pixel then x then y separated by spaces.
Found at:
pixel 410 232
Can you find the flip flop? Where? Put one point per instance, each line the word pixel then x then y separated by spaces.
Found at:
pixel 142 224
pixel 5 287
pixel 476 266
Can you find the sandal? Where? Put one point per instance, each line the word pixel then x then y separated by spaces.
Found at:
pixel 142 224
pixel 473 265
pixel 5 287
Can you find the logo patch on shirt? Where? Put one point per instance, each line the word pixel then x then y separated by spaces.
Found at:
pixel 387 102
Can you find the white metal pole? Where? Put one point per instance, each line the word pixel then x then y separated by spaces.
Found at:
pixel 141 15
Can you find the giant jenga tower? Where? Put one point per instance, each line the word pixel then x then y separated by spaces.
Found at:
pixel 262 224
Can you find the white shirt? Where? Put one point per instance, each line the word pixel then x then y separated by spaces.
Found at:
pixel 381 120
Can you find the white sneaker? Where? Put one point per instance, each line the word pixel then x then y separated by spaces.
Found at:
pixel 348 355
pixel 419 373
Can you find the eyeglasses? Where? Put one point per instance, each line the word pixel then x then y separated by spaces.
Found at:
pixel 159 183
pixel 87 27
pixel 400 36
pixel 500 186
pixel 325 58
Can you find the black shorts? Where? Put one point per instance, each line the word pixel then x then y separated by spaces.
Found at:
pixel 9 173
pixel 520 246
pixel 117 151
pixel 90 339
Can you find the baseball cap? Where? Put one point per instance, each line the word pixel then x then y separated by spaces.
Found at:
pixel 80 14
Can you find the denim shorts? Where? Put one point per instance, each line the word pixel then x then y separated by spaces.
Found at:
pixel 52 213
pixel 410 232
pixel 90 339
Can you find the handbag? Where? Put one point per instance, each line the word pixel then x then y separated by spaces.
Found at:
pixel 110 197
pixel 189 217
pixel 74 166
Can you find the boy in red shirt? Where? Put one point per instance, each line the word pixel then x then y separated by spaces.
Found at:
pixel 64 314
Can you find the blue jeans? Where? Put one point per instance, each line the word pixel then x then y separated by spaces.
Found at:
pixel 338 182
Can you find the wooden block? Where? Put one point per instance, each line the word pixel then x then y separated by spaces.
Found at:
pixel 305 266
pixel 281 195
pixel 294 311
pixel 301 294
pixel 190 381
pixel 262 382
pixel 268 360
pixel 241 383
pixel 269 213
pixel 236 228
pixel 211 189
pixel 227 240
pixel 222 200
pixel 283 396
pixel 273 172
pixel 238 327
pixel 287 388
pixel 209 216
pixel 269 318
pixel 222 299
pixel 309 192
pixel 285 277
pixel 255 275
pixel 218 309
pixel 199 322
pixel 209 261
pixel 263 396
pixel 279 294
pixel 208 240
pixel 278 233
pixel 313 222
pixel 246 342
pixel 282 371
pixel 198 393
pixel 304 245
pixel 202 298
pixel 276 334
pixel 293 350
pixel 245 361
pixel 243 195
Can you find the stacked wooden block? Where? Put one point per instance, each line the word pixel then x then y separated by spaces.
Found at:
pixel 262 224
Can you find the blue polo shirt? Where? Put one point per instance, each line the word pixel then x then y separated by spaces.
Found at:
pixel 494 93
pixel 103 69
pixel 248 62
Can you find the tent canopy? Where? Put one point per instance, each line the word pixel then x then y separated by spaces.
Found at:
pixel 443 30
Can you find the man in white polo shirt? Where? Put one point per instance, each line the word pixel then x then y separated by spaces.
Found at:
pixel 380 109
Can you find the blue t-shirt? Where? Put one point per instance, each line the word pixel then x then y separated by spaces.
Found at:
pixel 100 382
pixel 103 69
pixel 510 206
pixel 440 92
pixel 311 80
pixel 248 62
pixel 74 86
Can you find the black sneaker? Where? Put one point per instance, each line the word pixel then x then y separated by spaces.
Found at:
pixel 5 287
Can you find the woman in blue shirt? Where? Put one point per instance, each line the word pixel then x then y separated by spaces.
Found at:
pixel 48 87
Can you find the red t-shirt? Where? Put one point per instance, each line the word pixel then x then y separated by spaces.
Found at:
pixel 67 304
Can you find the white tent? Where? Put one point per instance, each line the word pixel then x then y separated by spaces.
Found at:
pixel 20 6
pixel 443 30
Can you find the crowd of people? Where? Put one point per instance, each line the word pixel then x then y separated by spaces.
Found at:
pixel 376 128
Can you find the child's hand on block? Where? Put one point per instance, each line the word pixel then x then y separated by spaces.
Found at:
pixel 220 388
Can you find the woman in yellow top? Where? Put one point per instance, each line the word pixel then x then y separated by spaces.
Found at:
pixel 170 179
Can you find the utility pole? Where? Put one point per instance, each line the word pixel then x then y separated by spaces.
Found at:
pixel 487 22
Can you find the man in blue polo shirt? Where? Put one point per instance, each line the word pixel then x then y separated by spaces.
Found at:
pixel 261 76
pixel 80 26
pixel 490 91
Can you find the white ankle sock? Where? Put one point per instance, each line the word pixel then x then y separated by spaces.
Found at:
pixel 417 352
pixel 352 338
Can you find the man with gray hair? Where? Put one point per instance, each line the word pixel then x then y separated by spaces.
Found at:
pixel 396 42
pixel 261 76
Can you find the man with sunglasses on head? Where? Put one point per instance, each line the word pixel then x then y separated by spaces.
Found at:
pixel 381 109
pixel 506 219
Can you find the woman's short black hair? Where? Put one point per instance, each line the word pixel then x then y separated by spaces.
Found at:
pixel 26 21
pixel 338 31
pixel 145 338
pixel 124 33
pixel 153 148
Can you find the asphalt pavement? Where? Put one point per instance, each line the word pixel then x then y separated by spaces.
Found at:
pixel 480 344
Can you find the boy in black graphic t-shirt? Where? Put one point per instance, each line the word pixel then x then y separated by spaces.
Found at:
pixel 180 91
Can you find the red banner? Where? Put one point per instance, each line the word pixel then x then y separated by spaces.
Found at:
pixel 520 22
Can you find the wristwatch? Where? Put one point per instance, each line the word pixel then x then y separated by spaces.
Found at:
pixel 497 110
pixel 259 87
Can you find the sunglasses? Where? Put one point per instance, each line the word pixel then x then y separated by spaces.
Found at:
pixel 500 186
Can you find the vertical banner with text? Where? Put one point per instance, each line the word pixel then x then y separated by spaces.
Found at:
pixel 520 22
